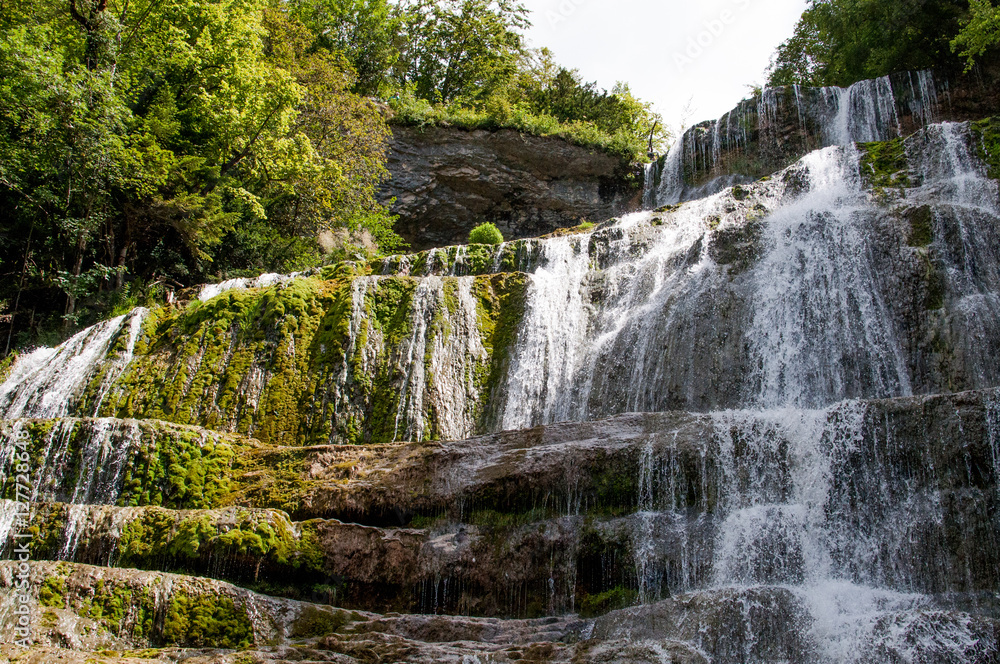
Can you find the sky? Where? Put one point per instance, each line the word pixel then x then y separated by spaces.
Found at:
pixel 692 58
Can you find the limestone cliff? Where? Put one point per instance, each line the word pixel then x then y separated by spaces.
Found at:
pixel 446 181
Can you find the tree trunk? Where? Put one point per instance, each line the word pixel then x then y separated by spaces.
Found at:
pixel 81 244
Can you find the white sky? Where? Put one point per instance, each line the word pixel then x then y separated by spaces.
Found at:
pixel 671 52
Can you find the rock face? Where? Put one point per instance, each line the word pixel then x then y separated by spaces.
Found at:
pixel 767 132
pixel 447 181
pixel 761 426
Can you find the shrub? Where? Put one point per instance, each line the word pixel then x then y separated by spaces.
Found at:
pixel 485 234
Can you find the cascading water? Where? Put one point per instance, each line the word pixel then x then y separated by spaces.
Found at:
pixel 440 359
pixel 79 461
pixel 820 329
pixel 551 336
pixel 47 382
pixel 779 311
pixel 210 291
pixel 866 111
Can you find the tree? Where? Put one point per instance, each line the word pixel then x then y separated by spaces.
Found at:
pixel 980 32
pixel 839 42
pixel 459 49
pixel 136 140
pixel 363 31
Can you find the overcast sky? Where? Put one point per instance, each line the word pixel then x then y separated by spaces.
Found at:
pixel 674 53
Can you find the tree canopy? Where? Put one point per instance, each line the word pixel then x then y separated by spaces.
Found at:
pixel 171 139
pixel 839 42
pixel 160 143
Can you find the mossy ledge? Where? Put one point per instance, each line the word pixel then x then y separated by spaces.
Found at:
pixel 319 361
pixel 148 609
pixel 494 558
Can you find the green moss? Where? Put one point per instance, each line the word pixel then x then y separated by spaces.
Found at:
pixel 884 166
pixel 616 598
pixel 211 621
pixel 5 366
pixel 52 592
pixel 309 362
pixel 500 305
pixel 315 621
pixel 111 604
pixel 582 227
pixel 183 541
pixel 48 529
pixel 987 132
pixel 921 221
pixel 669 208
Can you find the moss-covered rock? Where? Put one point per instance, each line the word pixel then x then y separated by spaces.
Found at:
pixel 319 361
pixel 987 132
pixel 128 462
pixel 738 247
pixel 884 165
pixel 147 609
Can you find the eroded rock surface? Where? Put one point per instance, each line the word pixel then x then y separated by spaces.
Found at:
pixel 447 181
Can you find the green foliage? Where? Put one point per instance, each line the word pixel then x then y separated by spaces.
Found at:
pixel 459 49
pixel 166 141
pixel 411 110
pixel 364 31
pixel 485 234
pixel 839 42
pixel 980 32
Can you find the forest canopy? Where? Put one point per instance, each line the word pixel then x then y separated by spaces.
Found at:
pixel 148 145
pixel 839 42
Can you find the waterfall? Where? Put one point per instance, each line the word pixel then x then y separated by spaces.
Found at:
pixel 785 362
pixel 965 204
pixel 79 461
pixel 440 358
pixel 820 330
pixel 866 111
pixel 9 511
pixel 120 363
pixel 209 291
pixel 551 337
pixel 49 381
pixel 806 502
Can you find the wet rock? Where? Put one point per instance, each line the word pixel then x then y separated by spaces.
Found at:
pixel 759 625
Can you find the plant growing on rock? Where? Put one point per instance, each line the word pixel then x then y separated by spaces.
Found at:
pixel 485 234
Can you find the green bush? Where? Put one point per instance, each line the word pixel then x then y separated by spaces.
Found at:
pixel 485 234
